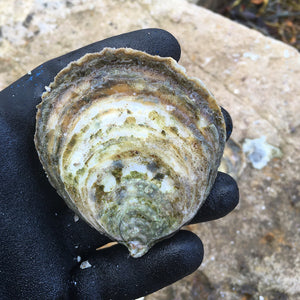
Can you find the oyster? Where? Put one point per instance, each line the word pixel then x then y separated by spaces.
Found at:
pixel 131 143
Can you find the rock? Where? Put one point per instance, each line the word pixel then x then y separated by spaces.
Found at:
pixel 253 253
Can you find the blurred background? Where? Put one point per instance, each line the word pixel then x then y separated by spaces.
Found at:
pixel 279 19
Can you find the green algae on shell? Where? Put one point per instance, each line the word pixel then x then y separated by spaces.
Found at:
pixel 131 143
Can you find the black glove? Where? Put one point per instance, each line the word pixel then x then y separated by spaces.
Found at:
pixel 41 242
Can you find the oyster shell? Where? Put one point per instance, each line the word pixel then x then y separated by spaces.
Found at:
pixel 131 143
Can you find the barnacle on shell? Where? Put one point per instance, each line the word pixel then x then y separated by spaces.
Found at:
pixel 131 143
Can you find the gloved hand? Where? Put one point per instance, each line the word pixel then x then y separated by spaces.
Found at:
pixel 41 243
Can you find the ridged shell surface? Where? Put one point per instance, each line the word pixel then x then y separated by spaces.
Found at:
pixel 131 143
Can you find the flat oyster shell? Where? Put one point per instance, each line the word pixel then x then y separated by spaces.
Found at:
pixel 131 143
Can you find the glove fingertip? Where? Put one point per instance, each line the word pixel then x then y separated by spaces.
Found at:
pixel 223 198
pixel 167 44
pixel 113 274
pixel 228 122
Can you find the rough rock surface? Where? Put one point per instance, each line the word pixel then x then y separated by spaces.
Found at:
pixel 254 252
